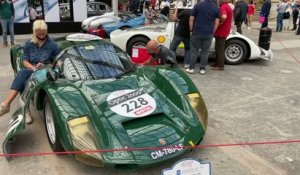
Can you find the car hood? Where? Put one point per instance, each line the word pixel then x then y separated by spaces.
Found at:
pixel 138 112
pixel 85 23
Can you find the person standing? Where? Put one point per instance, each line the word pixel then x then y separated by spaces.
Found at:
pixel 37 52
pixel 265 12
pixel 287 22
pixel 281 8
pixel 240 14
pixel 7 13
pixel 33 15
pixel 295 13
pixel 182 33
pixel 203 22
pixel 164 7
pixel 221 34
pixel 251 11
pixel 298 30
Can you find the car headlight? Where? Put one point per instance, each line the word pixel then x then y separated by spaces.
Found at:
pixel 198 104
pixel 83 139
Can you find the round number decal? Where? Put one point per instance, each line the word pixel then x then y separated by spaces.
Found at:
pixel 131 103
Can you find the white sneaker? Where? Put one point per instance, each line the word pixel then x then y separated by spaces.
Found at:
pixel 190 71
pixel 202 71
pixel 28 118
pixel 186 66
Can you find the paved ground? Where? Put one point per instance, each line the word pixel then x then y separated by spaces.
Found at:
pixel 256 101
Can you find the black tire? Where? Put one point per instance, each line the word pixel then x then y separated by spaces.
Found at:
pixel 51 127
pixel 235 52
pixel 136 41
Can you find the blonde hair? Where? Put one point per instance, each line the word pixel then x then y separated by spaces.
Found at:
pixel 38 25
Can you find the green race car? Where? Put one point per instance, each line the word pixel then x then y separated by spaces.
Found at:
pixel 95 101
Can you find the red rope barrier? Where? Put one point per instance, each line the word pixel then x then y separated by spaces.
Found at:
pixel 152 148
pixel 288 50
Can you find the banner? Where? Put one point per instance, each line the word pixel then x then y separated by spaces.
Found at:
pixel 51 11
pixel 21 11
pixel 79 10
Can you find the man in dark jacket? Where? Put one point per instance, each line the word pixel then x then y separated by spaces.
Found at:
pixel 265 11
pixel 240 14
pixel 295 14
pixel 182 32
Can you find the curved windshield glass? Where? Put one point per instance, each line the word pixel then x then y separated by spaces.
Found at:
pixel 95 61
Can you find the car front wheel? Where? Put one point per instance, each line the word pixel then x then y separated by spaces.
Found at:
pixel 235 52
pixel 51 127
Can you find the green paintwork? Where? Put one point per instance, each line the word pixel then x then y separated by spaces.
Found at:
pixel 173 120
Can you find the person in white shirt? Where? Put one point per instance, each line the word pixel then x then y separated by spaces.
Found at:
pixel 287 22
pixel 165 7
pixel 281 8
pixel 164 4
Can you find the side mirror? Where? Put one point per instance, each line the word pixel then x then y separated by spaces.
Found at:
pixel 52 75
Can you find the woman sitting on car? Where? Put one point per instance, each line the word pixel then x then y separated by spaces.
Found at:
pixel 37 52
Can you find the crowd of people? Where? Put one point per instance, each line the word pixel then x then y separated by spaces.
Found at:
pixel 287 13
pixel 210 19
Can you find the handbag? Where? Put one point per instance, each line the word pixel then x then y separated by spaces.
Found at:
pixel 261 19
pixel 286 15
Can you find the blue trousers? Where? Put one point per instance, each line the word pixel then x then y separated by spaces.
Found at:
pixel 10 24
pixel 203 43
pixel 21 80
pixel 186 41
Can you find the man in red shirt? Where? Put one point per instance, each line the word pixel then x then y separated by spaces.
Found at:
pixel 221 34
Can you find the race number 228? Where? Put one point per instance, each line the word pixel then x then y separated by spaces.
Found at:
pixel 134 104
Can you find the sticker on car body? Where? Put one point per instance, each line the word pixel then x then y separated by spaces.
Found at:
pixel 14 123
pixel 131 103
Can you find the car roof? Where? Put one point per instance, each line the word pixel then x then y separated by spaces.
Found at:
pixel 64 42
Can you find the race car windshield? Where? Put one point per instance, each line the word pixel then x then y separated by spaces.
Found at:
pixel 95 61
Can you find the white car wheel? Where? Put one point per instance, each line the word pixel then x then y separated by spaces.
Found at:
pixel 51 127
pixel 235 52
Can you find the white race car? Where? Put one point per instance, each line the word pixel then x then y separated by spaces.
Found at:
pixel 238 47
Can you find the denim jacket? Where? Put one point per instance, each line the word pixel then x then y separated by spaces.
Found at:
pixel 44 54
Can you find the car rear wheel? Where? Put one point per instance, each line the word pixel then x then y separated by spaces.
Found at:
pixel 51 128
pixel 235 52
pixel 139 41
